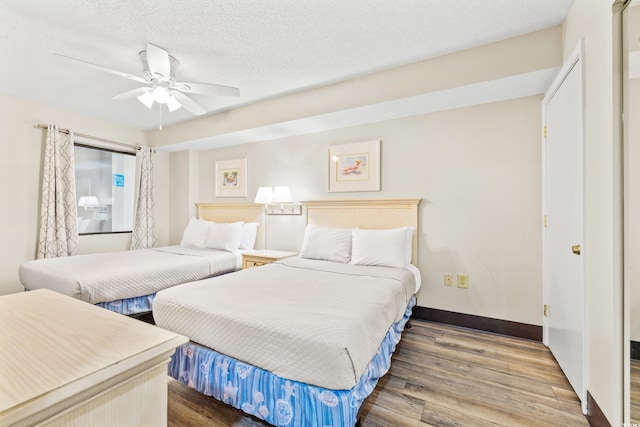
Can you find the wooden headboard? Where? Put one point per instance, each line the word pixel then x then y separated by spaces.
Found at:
pixel 366 214
pixel 233 212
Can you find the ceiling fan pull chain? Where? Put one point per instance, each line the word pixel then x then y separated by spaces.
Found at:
pixel 160 107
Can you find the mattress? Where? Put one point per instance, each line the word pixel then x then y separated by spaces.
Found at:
pixel 103 277
pixel 316 322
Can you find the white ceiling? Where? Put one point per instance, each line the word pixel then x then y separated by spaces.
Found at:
pixel 264 47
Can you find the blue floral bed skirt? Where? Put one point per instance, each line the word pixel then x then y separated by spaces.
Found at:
pixel 130 305
pixel 279 401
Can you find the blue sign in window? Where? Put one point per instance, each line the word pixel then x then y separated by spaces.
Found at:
pixel 118 180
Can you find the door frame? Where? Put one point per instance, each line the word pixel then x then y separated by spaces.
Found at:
pixel 575 59
pixel 621 34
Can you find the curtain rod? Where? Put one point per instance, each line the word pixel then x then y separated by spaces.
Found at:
pixel 95 138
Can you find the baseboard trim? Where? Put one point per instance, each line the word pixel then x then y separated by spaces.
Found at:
pixel 635 350
pixel 487 324
pixel 595 417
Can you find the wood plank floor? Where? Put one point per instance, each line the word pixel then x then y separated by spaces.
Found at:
pixel 635 391
pixel 440 376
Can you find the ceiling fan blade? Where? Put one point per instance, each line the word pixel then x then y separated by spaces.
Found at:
pixel 187 103
pixel 105 69
pixel 131 93
pixel 207 89
pixel 158 60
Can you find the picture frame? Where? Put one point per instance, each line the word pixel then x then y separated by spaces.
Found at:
pixel 231 178
pixel 354 167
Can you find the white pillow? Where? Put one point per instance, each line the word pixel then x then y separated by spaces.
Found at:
pixel 409 243
pixel 249 234
pixel 330 244
pixel 195 233
pixel 224 236
pixel 387 248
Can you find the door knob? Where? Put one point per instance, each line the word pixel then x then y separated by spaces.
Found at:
pixel 576 249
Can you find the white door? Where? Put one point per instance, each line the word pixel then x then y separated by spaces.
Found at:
pixel 563 248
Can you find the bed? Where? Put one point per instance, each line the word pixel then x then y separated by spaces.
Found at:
pixel 303 341
pixel 127 281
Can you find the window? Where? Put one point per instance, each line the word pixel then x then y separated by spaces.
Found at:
pixel 105 189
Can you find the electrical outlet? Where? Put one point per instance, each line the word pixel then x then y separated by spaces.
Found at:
pixel 463 281
pixel 448 279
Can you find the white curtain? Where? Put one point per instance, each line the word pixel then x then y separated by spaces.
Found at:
pixel 144 222
pixel 58 211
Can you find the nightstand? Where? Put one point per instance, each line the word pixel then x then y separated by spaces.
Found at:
pixel 258 258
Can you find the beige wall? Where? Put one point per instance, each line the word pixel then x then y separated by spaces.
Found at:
pixel 531 52
pixel 592 20
pixel 183 191
pixel 477 171
pixel 20 172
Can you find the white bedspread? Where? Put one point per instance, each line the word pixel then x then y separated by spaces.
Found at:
pixel 316 322
pixel 113 276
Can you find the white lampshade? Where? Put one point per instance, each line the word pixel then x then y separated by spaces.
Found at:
pixel 173 104
pixel 281 194
pixel 160 95
pixel 147 99
pixel 264 196
pixel 88 202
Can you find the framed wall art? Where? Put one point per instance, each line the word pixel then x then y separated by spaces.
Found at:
pixel 354 167
pixel 231 178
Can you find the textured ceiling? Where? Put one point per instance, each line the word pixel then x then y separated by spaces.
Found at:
pixel 264 47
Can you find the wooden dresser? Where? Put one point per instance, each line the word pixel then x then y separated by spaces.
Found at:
pixel 64 362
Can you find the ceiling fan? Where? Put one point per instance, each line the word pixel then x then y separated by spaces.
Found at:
pixel 158 73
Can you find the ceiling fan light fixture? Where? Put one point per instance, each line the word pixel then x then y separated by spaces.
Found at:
pixel 160 95
pixel 173 104
pixel 147 99
pixel 159 69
